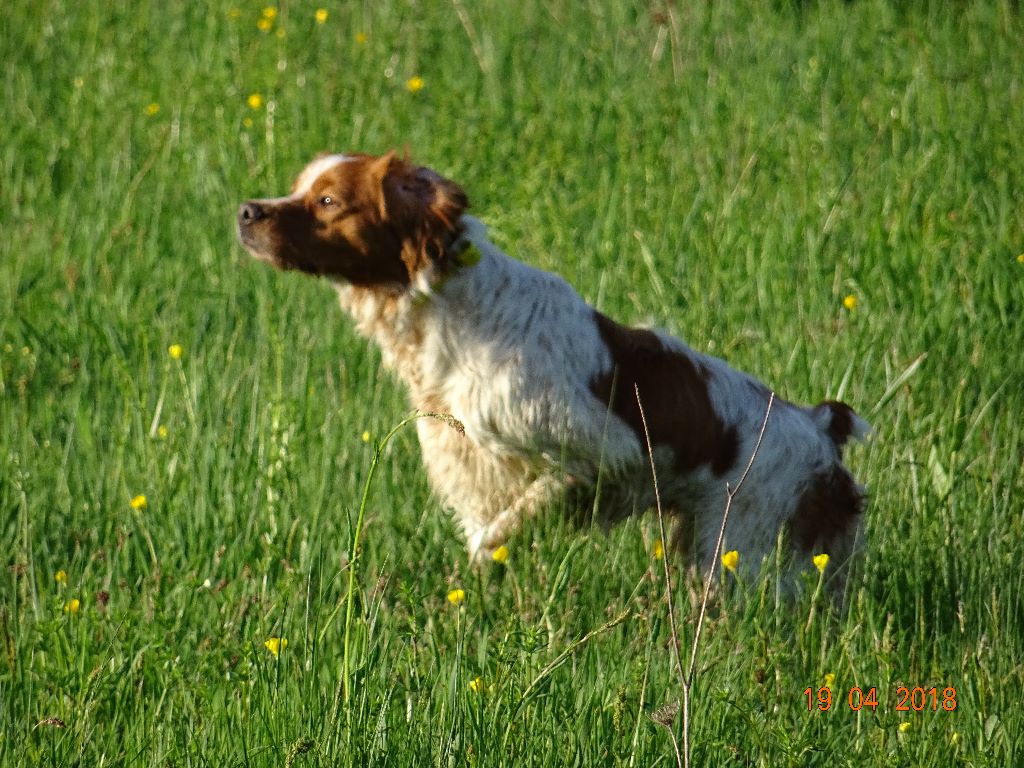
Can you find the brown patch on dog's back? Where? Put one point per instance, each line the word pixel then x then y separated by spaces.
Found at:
pixel 827 510
pixel 674 393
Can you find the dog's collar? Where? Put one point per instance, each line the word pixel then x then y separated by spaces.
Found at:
pixel 461 252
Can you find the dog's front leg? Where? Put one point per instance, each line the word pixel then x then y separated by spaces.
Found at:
pixel 483 540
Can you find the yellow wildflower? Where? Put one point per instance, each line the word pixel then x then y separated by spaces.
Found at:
pixel 955 738
pixel 476 685
pixel 820 562
pixel 414 84
pixel 175 351
pixel 275 645
pixel 151 109
pixel 730 560
pixel 320 15
pixel 255 101
pixel 161 432
pixel 830 679
pixel 264 25
pixel 61 577
pixel 361 38
pixel 73 605
pixel 500 555
pixel 850 302
pixel 1020 258
pixel 138 502
pixel 456 596
pixel 658 550
pixel 365 437
pixel 270 12
pixel 904 726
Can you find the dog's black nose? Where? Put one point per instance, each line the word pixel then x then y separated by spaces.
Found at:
pixel 251 212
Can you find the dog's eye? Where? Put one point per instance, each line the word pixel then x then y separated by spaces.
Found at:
pixel 326 201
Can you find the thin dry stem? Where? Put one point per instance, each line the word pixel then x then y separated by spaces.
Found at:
pixel 661 527
pixel 730 494
pixel 686 678
pixel 680 761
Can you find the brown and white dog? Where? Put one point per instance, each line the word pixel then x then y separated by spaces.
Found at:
pixel 544 384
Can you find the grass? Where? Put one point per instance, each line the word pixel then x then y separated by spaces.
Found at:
pixel 729 171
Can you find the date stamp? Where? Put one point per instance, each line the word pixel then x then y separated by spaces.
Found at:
pixel 906 699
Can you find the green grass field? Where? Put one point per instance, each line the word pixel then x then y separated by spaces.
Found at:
pixel 731 173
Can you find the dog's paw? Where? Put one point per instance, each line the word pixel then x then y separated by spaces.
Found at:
pixel 486 540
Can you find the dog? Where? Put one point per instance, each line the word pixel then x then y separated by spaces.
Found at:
pixel 555 402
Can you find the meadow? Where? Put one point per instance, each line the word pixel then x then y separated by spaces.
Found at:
pixel 828 194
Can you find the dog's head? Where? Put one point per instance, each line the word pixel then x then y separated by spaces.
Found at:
pixel 368 221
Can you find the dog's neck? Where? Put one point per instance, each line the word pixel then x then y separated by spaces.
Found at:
pixel 395 316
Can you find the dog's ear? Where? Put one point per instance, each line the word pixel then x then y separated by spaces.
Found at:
pixel 445 201
pixel 416 196
pixel 423 206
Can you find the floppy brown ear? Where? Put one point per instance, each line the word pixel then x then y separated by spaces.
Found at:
pixel 424 208
pixel 419 195
pixel 448 200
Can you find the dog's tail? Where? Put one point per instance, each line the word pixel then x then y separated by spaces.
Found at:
pixel 839 422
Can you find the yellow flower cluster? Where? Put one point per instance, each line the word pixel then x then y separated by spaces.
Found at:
pixel 175 351
pixel 269 15
pixel 138 502
pixel 731 559
pixel 457 596
pixel 265 23
pixel 500 555
pixel 266 20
